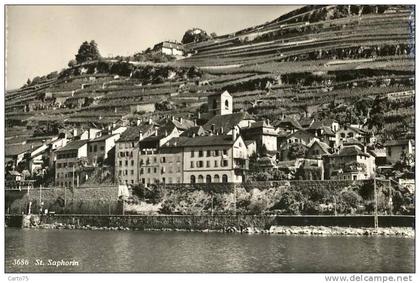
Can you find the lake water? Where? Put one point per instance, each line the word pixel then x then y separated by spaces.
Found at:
pixel 139 251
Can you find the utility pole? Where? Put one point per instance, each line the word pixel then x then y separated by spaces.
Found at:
pixel 376 203
pixel 73 177
pixel 65 198
pixel 40 195
pixel 390 197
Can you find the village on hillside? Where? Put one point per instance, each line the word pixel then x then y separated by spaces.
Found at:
pixel 163 116
pixel 216 146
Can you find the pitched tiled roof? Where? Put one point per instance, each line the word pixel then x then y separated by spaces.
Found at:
pixel 200 141
pixel 357 130
pixel 290 121
pixel 12 150
pixel 227 122
pixel 306 122
pixel 132 133
pixel 351 151
pixel 248 142
pixel 260 124
pixel 184 125
pixel 102 138
pixel 352 141
pixel 327 131
pixel 170 44
pixel 325 147
pixel 197 130
pixel 301 134
pixel 73 145
pixel 396 142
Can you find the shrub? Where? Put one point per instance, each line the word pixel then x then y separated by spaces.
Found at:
pixel 291 202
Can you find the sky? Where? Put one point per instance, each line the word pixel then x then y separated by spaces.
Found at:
pixel 42 39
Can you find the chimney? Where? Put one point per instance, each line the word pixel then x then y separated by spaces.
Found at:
pixel 172 118
pixel 221 130
pixel 193 135
pixel 180 120
pixel 138 122
pixel 114 125
pixel 166 133
pixel 233 134
pixel 156 132
pixel 195 122
pixel 140 135
pixel 213 128
pixel 150 121
pixel 199 115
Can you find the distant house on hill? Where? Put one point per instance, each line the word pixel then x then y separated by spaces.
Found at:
pixel 169 48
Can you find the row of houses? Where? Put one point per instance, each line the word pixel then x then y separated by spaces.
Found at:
pixel 214 148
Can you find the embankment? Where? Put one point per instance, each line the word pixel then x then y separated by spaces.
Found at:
pixel 217 222
pixel 88 200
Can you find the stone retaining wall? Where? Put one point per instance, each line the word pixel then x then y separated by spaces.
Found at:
pixel 221 222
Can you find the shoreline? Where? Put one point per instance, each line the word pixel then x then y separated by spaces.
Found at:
pixel 403 232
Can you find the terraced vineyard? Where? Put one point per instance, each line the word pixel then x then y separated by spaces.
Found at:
pixel 314 60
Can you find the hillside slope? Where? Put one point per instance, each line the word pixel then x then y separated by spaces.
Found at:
pixel 317 60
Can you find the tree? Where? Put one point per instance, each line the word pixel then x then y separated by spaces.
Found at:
pixel 194 72
pixel 72 63
pixel 291 202
pixel 194 35
pixel 377 118
pixel 139 191
pixel 88 51
pixel 296 150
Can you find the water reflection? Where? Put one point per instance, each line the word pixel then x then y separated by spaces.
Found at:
pixel 124 251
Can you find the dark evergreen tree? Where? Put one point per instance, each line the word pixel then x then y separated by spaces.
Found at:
pixel 88 51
